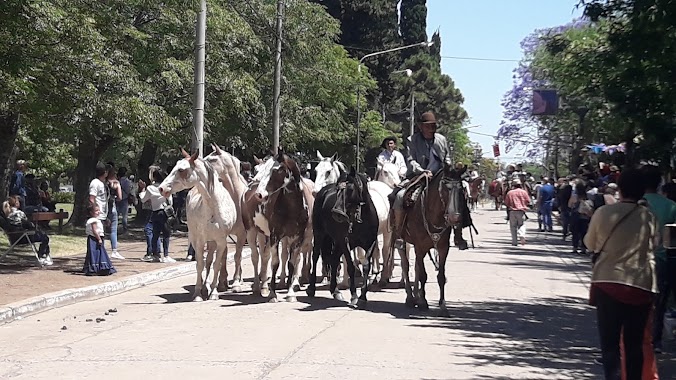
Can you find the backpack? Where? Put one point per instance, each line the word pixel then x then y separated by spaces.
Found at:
pixel 585 208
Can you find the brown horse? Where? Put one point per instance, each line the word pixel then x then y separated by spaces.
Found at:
pixel 440 209
pixel 475 191
pixel 495 190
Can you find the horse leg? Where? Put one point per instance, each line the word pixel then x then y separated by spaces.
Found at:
pixel 336 254
pixel 221 255
pixel 295 279
pixel 237 276
pixel 353 285
pixel 199 256
pixel 441 279
pixel 251 237
pixel 284 259
pixel 388 261
pixel 316 251
pixel 265 279
pixel 405 267
pixel 293 265
pixel 421 275
pixel 367 272
pixel 274 253
pixel 306 251
pixel 345 282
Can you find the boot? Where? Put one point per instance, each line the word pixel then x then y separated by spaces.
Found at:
pixel 397 227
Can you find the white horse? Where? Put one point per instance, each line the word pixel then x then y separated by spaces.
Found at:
pixel 328 171
pixel 210 211
pixel 387 173
pixel 228 168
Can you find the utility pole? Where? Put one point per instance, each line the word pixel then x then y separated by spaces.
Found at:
pixel 278 79
pixel 412 116
pixel 198 89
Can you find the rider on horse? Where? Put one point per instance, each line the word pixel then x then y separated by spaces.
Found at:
pixel 392 155
pixel 427 153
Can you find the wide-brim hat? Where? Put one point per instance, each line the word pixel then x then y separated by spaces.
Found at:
pixel 386 140
pixel 427 118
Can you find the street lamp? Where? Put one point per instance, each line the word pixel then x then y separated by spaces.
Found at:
pixel 408 73
pixel 420 44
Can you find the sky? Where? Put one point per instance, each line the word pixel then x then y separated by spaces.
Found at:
pixel 489 29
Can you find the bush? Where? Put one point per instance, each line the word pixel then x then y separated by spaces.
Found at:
pixel 63 197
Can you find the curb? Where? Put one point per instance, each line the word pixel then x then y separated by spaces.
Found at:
pixel 17 310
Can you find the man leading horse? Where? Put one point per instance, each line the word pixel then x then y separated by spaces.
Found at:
pixel 428 152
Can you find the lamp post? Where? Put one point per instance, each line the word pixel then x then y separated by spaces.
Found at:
pixel 420 44
pixel 408 73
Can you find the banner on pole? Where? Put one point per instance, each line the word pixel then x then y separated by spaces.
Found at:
pixel 545 102
pixel 496 150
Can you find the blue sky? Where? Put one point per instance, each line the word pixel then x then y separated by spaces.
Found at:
pixel 489 29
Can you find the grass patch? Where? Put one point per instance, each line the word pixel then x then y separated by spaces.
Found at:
pixel 60 245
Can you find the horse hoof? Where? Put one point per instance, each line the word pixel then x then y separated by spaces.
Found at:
pixel 338 297
pixel 265 292
pixel 255 290
pixel 273 299
pixel 197 299
pixel 290 299
pixel 310 291
pixel 296 288
pixel 213 296
pixel 423 305
pixel 410 302
pixel 237 288
pixel 222 289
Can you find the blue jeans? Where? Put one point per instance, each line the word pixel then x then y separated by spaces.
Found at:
pixel 112 216
pixel 123 211
pixel 160 227
pixel 148 229
pixel 546 211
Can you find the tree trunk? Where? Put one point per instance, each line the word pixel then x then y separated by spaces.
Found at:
pixel 89 151
pixel 9 127
pixel 146 159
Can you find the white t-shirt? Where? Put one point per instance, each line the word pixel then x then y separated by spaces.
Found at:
pixel 99 226
pixel 396 158
pixel 98 190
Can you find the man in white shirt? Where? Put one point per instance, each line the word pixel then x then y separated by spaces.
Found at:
pixel 161 208
pixel 392 155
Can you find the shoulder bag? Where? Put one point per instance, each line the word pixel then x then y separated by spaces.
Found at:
pixel 595 255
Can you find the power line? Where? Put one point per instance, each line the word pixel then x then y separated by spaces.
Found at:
pixel 480 59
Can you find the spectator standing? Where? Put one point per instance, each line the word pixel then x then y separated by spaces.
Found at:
pixel 114 194
pixel 158 217
pixel 562 199
pixel 581 210
pixel 122 205
pixel 517 201
pixel 17 185
pixel 46 197
pixel 623 277
pixel 664 210
pixel 546 199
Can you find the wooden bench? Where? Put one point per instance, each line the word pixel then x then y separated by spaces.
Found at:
pixel 47 216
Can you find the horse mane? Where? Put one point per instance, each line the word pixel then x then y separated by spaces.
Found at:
pixel 210 174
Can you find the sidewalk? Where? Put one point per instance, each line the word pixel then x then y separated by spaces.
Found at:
pixel 28 289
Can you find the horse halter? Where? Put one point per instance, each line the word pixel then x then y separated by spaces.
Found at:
pixel 450 184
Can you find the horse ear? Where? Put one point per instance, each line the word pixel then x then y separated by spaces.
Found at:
pixel 185 154
pixel 334 157
pixel 319 155
pixel 257 160
pixel 192 158
pixel 217 149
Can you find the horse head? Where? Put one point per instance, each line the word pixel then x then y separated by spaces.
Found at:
pixel 452 195
pixel 283 174
pixel 356 187
pixel 388 173
pixel 329 170
pixel 183 176
pixel 226 165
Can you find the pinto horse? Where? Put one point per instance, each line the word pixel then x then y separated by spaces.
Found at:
pixel 283 216
pixel 440 209
pixel 334 239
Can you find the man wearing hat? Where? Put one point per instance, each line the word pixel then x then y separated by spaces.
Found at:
pixel 392 155
pixel 427 153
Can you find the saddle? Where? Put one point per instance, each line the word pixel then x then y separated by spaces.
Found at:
pixel 412 190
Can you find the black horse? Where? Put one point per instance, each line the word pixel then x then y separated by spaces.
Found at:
pixel 334 238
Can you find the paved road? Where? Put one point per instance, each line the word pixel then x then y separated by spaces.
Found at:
pixel 516 313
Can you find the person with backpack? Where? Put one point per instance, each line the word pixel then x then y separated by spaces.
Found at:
pixel 581 210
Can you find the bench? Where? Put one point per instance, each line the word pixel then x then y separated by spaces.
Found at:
pixel 47 216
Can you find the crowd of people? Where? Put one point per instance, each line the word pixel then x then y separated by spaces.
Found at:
pixel 620 220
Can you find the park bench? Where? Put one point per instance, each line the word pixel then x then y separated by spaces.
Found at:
pixel 47 216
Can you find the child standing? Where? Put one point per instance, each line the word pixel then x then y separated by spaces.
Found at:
pixel 97 262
